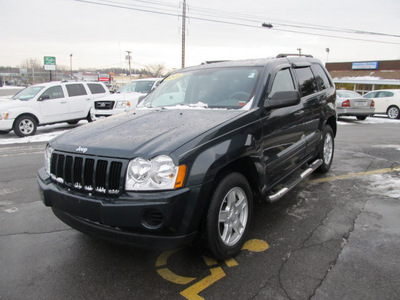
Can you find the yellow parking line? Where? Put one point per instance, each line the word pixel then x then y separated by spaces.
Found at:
pixel 353 175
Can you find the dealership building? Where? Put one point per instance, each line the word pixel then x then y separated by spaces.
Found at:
pixel 365 76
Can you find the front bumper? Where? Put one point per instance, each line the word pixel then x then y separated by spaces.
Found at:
pixel 160 219
pixel 6 125
pixel 103 113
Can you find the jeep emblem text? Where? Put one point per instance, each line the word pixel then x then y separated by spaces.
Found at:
pixel 81 149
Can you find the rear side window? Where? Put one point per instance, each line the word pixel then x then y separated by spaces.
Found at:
pixel 283 82
pixel 76 89
pixel 385 94
pixel 307 82
pixel 54 92
pixel 321 77
pixel 96 88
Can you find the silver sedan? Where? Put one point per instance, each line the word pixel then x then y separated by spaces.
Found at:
pixel 350 103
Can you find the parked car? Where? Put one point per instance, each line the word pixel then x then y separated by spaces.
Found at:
pixel 206 144
pixel 350 103
pixel 386 102
pixel 126 98
pixel 48 103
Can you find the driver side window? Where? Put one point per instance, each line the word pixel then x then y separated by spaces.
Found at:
pixel 283 82
pixel 54 92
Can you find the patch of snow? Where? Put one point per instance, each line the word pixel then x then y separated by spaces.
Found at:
pixel 386 185
pixel 43 134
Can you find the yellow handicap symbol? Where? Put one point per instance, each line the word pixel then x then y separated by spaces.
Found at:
pixel 192 292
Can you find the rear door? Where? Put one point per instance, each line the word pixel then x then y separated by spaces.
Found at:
pixel 283 141
pixel 79 100
pixel 53 105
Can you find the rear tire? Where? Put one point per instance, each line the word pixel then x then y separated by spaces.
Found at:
pixel 228 217
pixel 393 112
pixel 361 118
pixel 327 149
pixel 25 126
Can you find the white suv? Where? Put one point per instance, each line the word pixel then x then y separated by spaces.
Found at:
pixel 48 103
pixel 125 99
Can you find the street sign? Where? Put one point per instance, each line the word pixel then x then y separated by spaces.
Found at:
pixel 50 63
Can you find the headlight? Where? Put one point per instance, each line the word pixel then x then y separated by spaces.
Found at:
pixel 47 158
pixel 123 104
pixel 159 173
pixel 3 115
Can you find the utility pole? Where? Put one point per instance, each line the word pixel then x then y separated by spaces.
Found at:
pixel 70 64
pixel 128 57
pixel 33 71
pixel 183 32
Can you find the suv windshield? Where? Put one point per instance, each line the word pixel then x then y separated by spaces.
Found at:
pixel 213 88
pixel 137 86
pixel 28 93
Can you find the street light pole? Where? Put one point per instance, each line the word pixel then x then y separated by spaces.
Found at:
pixel 299 49
pixel 70 64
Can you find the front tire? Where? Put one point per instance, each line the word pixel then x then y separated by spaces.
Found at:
pixel 25 126
pixel 393 112
pixel 228 216
pixel 361 118
pixel 327 149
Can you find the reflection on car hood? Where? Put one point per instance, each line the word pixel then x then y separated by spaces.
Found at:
pixel 121 97
pixel 146 132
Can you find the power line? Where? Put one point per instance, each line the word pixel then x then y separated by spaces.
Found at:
pixel 213 14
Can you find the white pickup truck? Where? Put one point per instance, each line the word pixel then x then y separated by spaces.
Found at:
pixel 126 98
pixel 48 103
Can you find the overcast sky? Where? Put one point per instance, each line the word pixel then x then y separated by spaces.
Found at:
pixel 98 36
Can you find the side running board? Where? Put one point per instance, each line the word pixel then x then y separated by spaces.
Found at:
pixel 294 181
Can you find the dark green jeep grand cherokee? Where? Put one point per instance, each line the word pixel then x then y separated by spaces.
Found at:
pixel 190 162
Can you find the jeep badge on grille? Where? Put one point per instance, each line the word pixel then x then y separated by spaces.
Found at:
pixel 81 149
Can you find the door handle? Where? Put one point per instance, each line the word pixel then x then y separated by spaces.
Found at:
pixel 63 102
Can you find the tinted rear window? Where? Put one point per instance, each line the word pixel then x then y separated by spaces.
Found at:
pixel 96 88
pixel 76 89
pixel 307 82
pixel 321 77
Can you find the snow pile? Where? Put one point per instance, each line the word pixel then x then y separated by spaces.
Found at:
pixel 386 185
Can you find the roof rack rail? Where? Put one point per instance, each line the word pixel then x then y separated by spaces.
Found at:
pixel 294 54
pixel 213 62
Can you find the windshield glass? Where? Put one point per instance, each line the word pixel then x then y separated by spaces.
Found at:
pixel 27 93
pixel 212 88
pixel 143 86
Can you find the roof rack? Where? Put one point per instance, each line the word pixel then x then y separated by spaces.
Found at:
pixel 213 62
pixel 295 54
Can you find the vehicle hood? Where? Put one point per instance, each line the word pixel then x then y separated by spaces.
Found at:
pixel 121 97
pixel 9 103
pixel 145 132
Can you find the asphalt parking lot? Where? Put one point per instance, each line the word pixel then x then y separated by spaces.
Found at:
pixel 335 236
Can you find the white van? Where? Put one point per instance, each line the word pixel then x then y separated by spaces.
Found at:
pixel 49 103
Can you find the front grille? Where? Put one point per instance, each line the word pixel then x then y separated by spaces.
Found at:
pixel 104 105
pixel 88 174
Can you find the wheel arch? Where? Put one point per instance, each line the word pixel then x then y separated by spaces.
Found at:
pixel 332 123
pixel 28 115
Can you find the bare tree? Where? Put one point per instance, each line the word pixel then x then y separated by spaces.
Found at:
pixel 157 70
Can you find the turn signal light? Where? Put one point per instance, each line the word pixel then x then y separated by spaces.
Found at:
pixel 181 176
